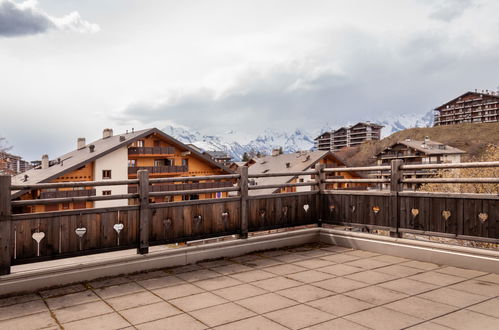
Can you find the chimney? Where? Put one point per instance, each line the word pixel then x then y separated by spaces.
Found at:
pixel 45 162
pixel 80 143
pixel 275 152
pixel 108 132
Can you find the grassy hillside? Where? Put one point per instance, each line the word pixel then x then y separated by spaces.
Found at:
pixel 471 138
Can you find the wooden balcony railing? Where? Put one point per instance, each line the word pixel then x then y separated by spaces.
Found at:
pixel 151 151
pixel 183 186
pixel 67 193
pixel 158 169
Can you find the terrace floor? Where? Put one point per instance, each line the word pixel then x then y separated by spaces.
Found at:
pixel 313 286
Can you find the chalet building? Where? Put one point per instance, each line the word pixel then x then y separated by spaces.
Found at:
pixel 234 166
pixel 12 164
pixel 349 136
pixel 119 157
pixel 471 107
pixel 418 152
pixel 295 162
pixel 220 157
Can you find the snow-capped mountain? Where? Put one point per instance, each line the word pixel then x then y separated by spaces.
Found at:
pixel 236 144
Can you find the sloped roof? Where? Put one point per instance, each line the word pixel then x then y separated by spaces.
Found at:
pixel 348 127
pixel 77 158
pixel 429 147
pixel 465 94
pixel 298 161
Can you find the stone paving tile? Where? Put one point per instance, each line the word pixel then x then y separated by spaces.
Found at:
pixel 197 301
pixel 314 253
pixel 362 253
pixel 436 278
pixel 340 258
pixel 383 318
pixel 118 290
pixel 428 326
pixel 261 263
pixel 313 263
pixel 276 283
pixel 177 291
pixel 216 263
pixel 245 258
pixel 340 284
pixel 467 273
pixel 340 305
pixel 33 321
pixel 133 300
pixel 148 313
pixel 371 277
pixel 83 311
pixel 309 276
pixel 239 292
pixel 19 299
pixel 185 269
pixel 376 295
pixel 399 270
pixel 177 322
pixel 274 253
pixel 489 307
pixel 367 263
pixel 62 290
pixel 299 316
pixel 478 287
pixel 198 275
pixel 253 275
pixel 453 297
pixel 340 269
pixel 231 269
pixel 466 319
pixel 492 278
pixel 221 314
pixel 336 248
pixel 109 281
pixel 422 308
pixel 107 321
pixel 22 309
pixel 266 303
pixel 218 283
pixel 160 282
pixel 257 322
pixel 337 324
pixel 72 299
pixel 147 275
pixel 408 286
pixel 420 265
pixel 389 259
pixel 284 269
pixel 305 293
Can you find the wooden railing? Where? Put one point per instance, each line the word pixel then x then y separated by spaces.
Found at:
pixel 158 169
pixel 67 193
pixel 31 237
pixel 151 150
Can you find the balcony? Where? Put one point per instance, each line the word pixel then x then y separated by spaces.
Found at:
pixel 158 169
pixel 183 186
pixel 67 193
pixel 151 151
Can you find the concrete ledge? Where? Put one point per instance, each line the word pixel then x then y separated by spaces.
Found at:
pixel 438 253
pixel 32 277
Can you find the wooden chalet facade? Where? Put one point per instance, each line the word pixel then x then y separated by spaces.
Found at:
pixel 471 107
pixel 120 157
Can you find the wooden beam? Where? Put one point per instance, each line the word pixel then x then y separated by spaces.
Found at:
pixel 5 225
pixel 144 212
pixel 275 174
pixel 395 188
pixel 243 186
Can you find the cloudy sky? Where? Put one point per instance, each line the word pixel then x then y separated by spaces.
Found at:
pixel 69 68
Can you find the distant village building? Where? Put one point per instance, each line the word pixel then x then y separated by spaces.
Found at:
pixel 12 164
pixel 418 152
pixel 471 107
pixel 297 162
pixel 349 136
pixel 220 157
pixel 119 157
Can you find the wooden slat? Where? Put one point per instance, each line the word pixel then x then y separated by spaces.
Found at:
pixel 5 225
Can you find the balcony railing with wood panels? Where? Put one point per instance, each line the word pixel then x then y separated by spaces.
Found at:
pixel 158 169
pixel 67 193
pixel 183 186
pixel 151 151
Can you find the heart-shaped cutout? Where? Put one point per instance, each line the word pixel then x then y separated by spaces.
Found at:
pixel 285 210
pixel 81 231
pixel 225 214
pixel 376 209
pixel 38 236
pixel 262 213
pixel 198 218
pixel 306 207
pixel 483 217
pixel 352 207
pixel 118 227
pixel 167 223
pixel 446 214
pixel 414 212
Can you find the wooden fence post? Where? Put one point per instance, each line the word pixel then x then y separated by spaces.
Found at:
pixel 144 212
pixel 5 224
pixel 321 185
pixel 243 186
pixel 395 188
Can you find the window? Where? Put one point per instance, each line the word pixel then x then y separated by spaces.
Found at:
pixel 106 174
pixel 139 143
pixel 190 197
pixel 106 192
pixel 185 162
pixel 132 162
pixel 163 162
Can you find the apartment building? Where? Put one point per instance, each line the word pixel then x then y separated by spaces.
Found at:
pixel 120 157
pixel 471 107
pixel 349 136
pixel 11 164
